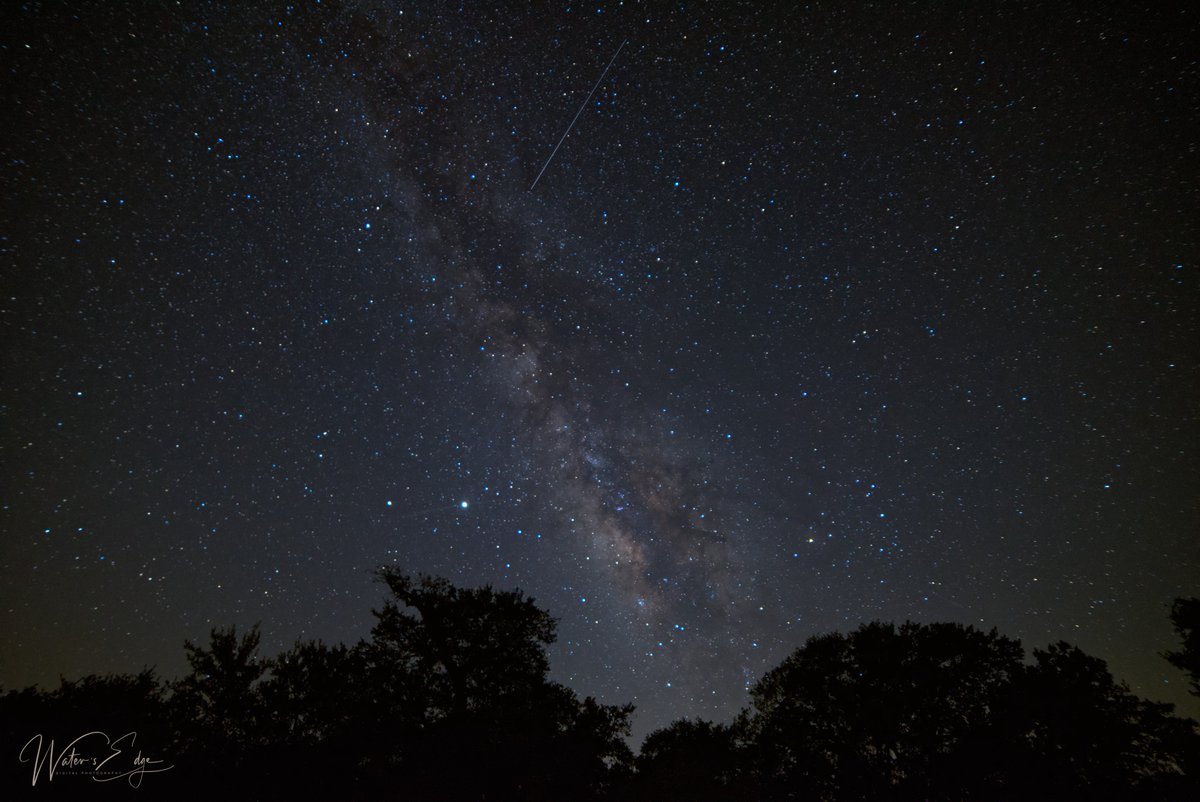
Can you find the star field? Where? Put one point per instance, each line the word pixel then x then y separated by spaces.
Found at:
pixel 817 316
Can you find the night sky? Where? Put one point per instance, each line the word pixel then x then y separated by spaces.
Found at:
pixel 818 315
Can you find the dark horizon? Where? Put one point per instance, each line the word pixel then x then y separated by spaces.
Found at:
pixel 450 698
pixel 640 727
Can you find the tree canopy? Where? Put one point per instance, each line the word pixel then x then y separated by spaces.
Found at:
pixel 931 711
pixel 450 699
pixel 1185 616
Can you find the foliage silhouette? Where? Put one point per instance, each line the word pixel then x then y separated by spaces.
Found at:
pixel 1185 616
pixel 690 760
pixel 115 704
pixel 1079 732
pixel 219 699
pixel 459 678
pixel 467 649
pixel 449 699
pixel 930 711
pixel 883 711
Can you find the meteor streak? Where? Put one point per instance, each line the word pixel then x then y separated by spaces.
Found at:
pixel 572 125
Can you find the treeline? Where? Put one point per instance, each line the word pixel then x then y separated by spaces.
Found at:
pixel 449 700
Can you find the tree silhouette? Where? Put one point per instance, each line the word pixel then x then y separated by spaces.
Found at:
pixel 306 694
pixel 942 711
pixel 882 712
pixel 114 704
pixel 217 707
pixel 1185 617
pixel 468 648
pixel 459 676
pixel 449 699
pixel 689 760
pixel 1079 732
